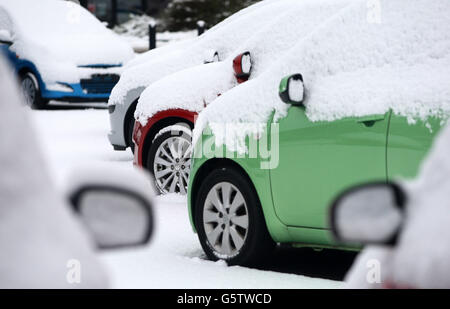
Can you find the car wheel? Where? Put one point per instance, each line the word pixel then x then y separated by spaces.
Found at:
pixel 169 159
pixel 31 92
pixel 229 220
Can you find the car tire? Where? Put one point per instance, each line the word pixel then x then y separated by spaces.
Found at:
pixel 31 92
pixel 129 133
pixel 249 245
pixel 170 168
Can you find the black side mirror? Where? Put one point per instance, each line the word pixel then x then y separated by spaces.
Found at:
pixel 368 214
pixel 115 215
pixel 292 89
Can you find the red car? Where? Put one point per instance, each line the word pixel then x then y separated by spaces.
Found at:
pixel 163 145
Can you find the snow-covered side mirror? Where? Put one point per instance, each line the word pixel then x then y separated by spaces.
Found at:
pixel 211 56
pixel 368 214
pixel 116 208
pixel 242 66
pixel 6 37
pixel 292 90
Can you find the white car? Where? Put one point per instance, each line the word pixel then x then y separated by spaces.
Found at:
pixel 404 226
pixel 60 51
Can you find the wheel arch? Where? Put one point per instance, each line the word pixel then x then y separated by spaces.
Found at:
pixel 24 69
pixel 206 169
pixel 259 181
pixel 155 128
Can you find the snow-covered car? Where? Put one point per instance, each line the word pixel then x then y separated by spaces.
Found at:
pixel 216 44
pixel 404 227
pixel 367 104
pixel 49 236
pixel 165 118
pixel 60 51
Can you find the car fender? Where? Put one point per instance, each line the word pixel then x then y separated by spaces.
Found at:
pixel 259 178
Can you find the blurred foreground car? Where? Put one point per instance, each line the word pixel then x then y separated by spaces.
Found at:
pixel 60 51
pixel 165 118
pixel 404 225
pixel 265 172
pixel 216 44
pixel 48 239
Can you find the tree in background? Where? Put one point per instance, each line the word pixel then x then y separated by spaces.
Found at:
pixel 184 14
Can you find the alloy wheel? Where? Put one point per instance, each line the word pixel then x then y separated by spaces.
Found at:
pixel 172 165
pixel 225 219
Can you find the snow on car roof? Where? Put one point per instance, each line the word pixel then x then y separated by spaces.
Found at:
pixel 222 38
pixel 365 60
pixel 57 36
pixel 194 88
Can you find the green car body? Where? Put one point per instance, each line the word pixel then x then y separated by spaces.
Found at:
pixel 315 162
pixel 318 160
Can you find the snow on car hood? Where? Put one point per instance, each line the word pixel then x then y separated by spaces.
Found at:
pixel 193 89
pixel 59 36
pixel 223 38
pixel 362 61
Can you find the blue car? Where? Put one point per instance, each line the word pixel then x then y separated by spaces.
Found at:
pixel 60 51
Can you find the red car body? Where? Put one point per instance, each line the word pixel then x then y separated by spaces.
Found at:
pixel 143 135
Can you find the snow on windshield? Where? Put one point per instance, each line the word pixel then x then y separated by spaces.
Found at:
pixel 354 64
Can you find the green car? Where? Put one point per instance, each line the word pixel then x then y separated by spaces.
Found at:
pixel 240 210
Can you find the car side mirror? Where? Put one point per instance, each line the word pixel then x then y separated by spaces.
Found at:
pixel 292 89
pixel 115 209
pixel 242 66
pixel 211 56
pixel 368 214
pixel 6 37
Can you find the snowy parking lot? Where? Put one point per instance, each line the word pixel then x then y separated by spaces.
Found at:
pixel 73 136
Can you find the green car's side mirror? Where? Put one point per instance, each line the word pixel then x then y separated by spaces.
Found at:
pixel 292 89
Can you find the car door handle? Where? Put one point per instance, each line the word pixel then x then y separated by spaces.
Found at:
pixel 369 121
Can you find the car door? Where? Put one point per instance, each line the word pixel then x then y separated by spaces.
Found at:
pixel 408 145
pixel 317 160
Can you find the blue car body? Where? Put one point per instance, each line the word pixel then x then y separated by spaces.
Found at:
pixel 95 89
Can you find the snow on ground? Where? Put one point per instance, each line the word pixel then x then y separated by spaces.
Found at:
pixel 174 259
